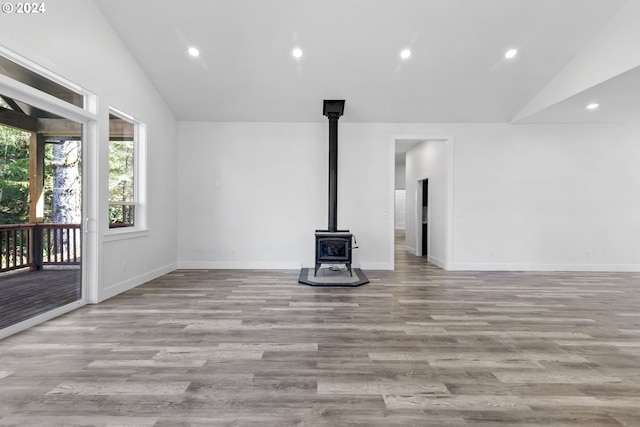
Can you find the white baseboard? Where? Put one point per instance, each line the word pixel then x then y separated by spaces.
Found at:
pixel 252 265
pixel 411 250
pixel 436 261
pixel 104 294
pixel 618 268
pixel 237 265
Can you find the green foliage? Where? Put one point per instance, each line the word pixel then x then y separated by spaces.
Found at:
pixel 121 215
pixel 121 182
pixel 14 176
pixel 121 171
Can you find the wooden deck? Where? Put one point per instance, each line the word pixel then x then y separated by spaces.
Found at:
pixel 24 295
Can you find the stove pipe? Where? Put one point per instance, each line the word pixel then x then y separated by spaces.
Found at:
pixel 333 109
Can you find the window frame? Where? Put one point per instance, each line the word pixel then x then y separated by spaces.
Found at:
pixel 139 227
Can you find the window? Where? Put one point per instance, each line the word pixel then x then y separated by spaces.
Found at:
pixel 124 171
pixel 39 80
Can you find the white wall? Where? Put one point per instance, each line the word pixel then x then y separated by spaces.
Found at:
pixel 535 197
pixel 523 196
pixel 258 191
pixel 401 176
pixel 74 40
pixel 250 195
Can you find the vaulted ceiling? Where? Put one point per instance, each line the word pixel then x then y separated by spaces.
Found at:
pixel 457 71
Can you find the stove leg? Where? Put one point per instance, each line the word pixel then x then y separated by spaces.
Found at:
pixel 349 268
pixel 315 272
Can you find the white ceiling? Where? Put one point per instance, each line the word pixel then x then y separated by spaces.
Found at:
pixel 457 72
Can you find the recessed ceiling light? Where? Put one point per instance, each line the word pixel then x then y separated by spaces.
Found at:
pixel 405 54
pixel 297 52
pixel 511 53
pixel 593 106
pixel 193 51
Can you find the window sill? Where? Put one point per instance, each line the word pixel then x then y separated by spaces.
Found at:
pixel 124 233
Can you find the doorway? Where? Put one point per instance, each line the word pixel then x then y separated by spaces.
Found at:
pixel 41 241
pixel 425 218
pixel 428 174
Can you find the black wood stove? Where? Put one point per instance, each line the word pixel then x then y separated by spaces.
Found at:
pixel 333 246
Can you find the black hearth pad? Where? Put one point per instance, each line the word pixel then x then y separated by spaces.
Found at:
pixel 327 277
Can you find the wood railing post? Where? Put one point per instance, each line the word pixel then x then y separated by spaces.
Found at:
pixel 37 247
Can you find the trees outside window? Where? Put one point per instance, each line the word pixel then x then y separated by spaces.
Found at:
pixel 14 175
pixel 64 159
pixel 123 144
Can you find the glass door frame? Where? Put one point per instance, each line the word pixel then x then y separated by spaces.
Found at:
pixel 88 119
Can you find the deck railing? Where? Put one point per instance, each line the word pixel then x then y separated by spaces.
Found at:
pixel 38 244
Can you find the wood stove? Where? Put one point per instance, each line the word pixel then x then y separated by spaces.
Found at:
pixel 333 246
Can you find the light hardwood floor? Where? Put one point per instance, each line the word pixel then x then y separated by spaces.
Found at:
pixel 416 347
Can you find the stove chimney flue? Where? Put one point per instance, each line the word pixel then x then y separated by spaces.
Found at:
pixel 333 109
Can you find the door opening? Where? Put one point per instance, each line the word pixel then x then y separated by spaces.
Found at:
pixel 41 216
pixel 425 218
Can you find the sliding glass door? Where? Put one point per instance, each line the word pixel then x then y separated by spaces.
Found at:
pixel 41 215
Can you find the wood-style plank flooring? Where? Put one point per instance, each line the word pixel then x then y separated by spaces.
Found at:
pixel 416 347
